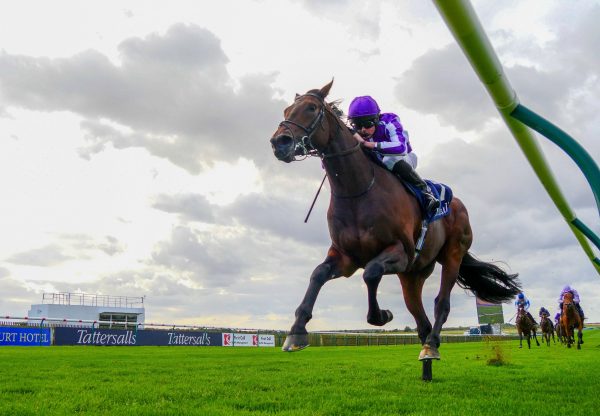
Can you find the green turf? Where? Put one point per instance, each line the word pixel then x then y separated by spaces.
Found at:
pixel 316 381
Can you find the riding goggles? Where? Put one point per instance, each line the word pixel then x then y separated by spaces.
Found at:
pixel 367 124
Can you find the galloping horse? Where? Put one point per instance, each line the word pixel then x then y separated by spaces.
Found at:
pixel 547 329
pixel 570 320
pixel 525 326
pixel 374 223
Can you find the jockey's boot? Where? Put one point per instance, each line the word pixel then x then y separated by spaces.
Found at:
pixel 406 173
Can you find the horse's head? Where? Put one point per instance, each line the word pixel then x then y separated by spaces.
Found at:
pixel 568 298
pixel 305 130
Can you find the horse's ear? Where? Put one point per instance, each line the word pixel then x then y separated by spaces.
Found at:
pixel 296 97
pixel 323 92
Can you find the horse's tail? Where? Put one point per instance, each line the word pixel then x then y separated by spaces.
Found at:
pixel 487 281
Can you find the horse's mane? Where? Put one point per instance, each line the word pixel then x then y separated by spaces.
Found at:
pixel 335 107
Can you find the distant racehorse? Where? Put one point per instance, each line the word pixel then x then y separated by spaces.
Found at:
pixel 525 327
pixel 375 224
pixel 570 320
pixel 547 329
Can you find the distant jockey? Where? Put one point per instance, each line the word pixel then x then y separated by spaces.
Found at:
pixel 523 301
pixel 566 289
pixel 544 311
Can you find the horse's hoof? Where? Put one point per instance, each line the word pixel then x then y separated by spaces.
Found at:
pixel 390 316
pixel 295 342
pixel 380 319
pixel 429 353
pixel 520 346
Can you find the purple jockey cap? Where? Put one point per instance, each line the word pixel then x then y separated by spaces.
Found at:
pixel 363 106
pixel 567 288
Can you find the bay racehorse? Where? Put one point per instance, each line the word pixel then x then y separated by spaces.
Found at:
pixel 570 320
pixel 525 327
pixel 374 223
pixel 547 328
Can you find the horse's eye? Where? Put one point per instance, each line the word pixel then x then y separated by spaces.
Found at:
pixel 312 108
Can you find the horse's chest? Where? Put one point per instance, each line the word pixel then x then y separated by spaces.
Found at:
pixel 365 239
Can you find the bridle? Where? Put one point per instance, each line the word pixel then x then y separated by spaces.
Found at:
pixel 303 145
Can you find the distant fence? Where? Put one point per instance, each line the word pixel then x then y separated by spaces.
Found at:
pixel 345 339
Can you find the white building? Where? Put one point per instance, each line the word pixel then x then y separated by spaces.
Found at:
pixel 117 312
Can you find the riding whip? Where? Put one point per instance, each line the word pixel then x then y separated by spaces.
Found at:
pixel 315 200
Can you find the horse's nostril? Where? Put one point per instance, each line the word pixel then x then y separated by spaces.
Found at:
pixel 284 140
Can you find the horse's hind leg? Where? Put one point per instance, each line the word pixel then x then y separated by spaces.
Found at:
pixel 297 339
pixel 391 260
pixel 412 289
pixel 441 309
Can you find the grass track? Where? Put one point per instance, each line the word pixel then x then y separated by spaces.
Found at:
pixel 317 381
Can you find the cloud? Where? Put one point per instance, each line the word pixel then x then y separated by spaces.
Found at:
pixel 171 95
pixel 68 247
pixel 205 258
pixel 49 255
pixel 363 17
pixel 549 78
pixel 440 82
pixel 190 207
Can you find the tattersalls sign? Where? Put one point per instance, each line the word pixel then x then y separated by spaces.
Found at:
pixel 108 337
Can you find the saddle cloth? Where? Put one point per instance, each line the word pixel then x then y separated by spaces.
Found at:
pixel 442 192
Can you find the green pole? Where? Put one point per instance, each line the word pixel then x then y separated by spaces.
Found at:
pixel 464 24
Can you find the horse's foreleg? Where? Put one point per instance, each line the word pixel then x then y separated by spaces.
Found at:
pixel 520 340
pixel 391 260
pixel 536 338
pixel 297 339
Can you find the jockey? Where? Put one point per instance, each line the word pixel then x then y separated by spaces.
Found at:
pixel 384 133
pixel 522 300
pixel 566 289
pixel 544 311
pixel 557 319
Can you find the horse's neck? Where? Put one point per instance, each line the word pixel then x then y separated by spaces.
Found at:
pixel 351 173
pixel 568 309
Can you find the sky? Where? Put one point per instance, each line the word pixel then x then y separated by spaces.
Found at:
pixel 135 156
